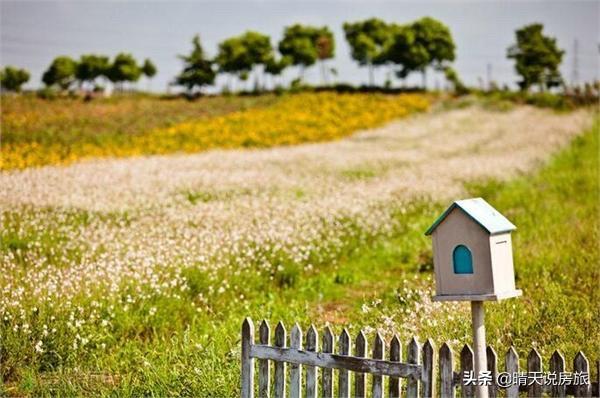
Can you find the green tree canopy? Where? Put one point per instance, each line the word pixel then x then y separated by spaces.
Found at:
pixel 537 58
pixel 238 55
pixel 304 45
pixel 424 43
pixel 368 40
pixel 11 78
pixel 92 66
pixel 197 71
pixel 148 68
pixel 61 72
pixel 124 68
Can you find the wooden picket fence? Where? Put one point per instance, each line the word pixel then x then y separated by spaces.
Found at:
pixel 414 378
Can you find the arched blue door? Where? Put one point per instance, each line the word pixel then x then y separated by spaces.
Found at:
pixel 462 260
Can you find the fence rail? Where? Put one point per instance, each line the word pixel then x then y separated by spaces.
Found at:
pixel 417 377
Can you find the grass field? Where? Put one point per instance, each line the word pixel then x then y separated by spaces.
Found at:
pixel 38 132
pixel 132 276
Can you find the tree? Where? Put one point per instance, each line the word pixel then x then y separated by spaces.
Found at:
pixel 197 71
pixel 368 40
pixel 11 78
pixel 148 70
pixel 537 58
pixel 276 67
pixel 90 67
pixel 61 73
pixel 124 69
pixel 304 45
pixel 422 44
pixel 325 44
pixel 241 54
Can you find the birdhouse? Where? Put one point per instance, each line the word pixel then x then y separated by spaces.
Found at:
pixel 472 253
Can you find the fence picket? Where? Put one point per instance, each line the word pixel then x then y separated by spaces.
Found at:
pixel 360 350
pixel 581 364
pixel 378 351
pixel 396 356
pixel 466 365
pixel 557 365
pixel 295 369
pixel 512 367
pixel 247 378
pixel 534 368
pixel 492 366
pixel 412 385
pixel 343 375
pixel 327 379
pixel 264 366
pixel 427 375
pixel 312 343
pixel 280 337
pixel 446 372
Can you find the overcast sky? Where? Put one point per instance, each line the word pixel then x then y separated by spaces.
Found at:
pixel 33 33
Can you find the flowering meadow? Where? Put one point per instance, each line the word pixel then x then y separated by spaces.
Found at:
pixel 131 275
pixel 35 136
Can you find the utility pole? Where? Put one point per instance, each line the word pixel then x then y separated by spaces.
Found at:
pixel 575 72
pixel 489 76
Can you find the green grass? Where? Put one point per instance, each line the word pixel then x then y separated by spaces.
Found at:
pixel 386 283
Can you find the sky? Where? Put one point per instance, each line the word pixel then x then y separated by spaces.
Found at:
pixel 33 33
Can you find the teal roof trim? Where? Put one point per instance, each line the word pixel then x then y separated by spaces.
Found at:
pixel 482 213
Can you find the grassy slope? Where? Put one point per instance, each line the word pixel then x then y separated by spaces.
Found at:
pixel 182 351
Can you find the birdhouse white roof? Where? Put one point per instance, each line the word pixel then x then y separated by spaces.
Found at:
pixel 482 213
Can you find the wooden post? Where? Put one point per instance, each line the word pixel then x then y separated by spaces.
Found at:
pixel 360 378
pixel 479 346
pixel 295 369
pixel 247 361
pixel 280 337
pixel 312 343
pixel 264 367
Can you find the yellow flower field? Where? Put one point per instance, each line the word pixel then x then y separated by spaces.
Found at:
pixel 294 119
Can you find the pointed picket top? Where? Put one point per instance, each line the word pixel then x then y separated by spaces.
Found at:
pixel 428 346
pixel 264 332
pixel 512 366
pixel 413 350
pixel 328 338
pixel 446 364
pixel 296 336
pixel 466 351
pixel 360 379
pixel 445 350
pixel 580 361
pixel 557 366
pixel 378 346
pixel 360 346
pixel 534 357
pixel 511 355
pixel 413 356
pixel 247 326
pixel 534 364
pixel 427 374
pixel 280 335
pixel 344 342
pixel 582 365
pixel 490 352
pixel 395 349
pixel 312 338
pixel 312 343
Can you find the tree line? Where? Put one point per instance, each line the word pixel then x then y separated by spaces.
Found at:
pixel 417 47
